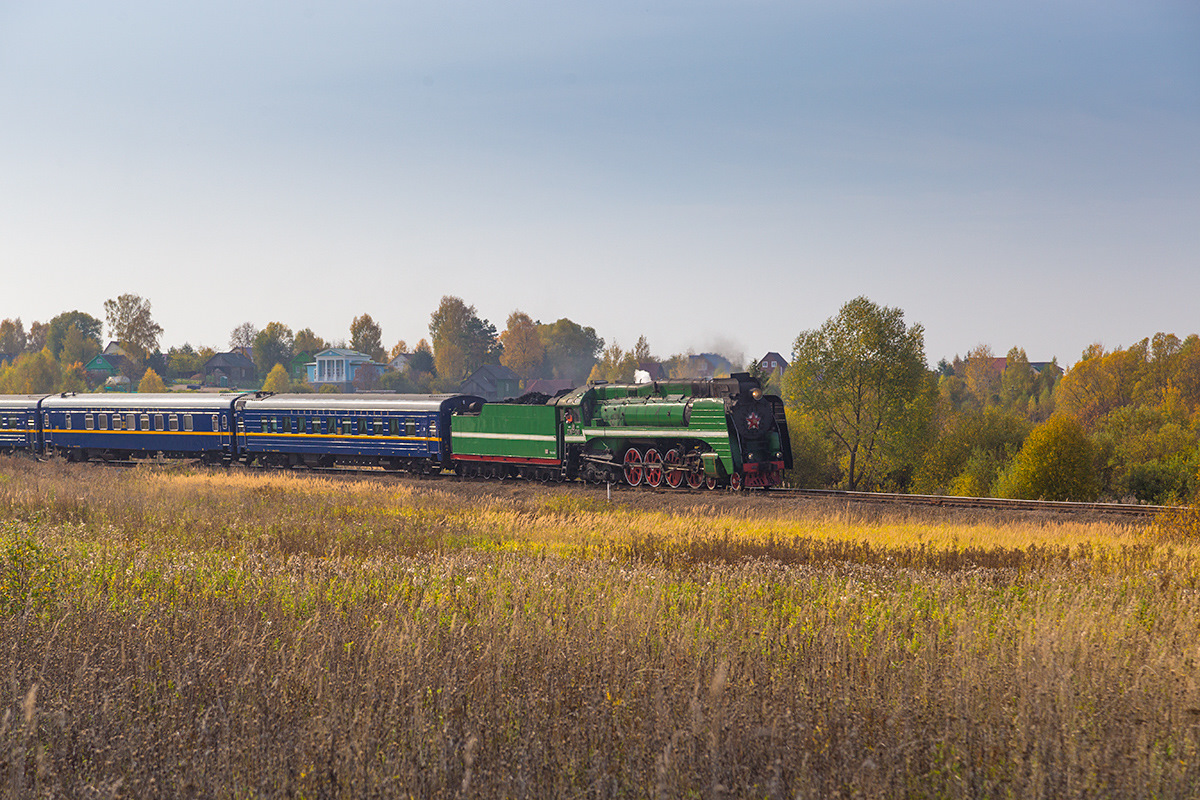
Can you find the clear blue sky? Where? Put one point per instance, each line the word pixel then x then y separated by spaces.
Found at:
pixel 710 174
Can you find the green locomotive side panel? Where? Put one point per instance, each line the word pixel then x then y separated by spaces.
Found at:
pixel 706 426
pixel 509 432
pixel 645 414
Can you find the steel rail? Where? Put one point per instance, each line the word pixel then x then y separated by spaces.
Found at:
pixel 876 498
pixel 943 501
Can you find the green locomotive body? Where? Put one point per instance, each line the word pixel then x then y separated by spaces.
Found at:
pixel 502 439
pixel 722 432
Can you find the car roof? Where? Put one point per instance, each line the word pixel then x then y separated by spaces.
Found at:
pixel 355 404
pixel 170 401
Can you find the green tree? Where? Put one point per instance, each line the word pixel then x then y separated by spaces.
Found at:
pixel 571 350
pixel 422 359
pixel 858 376
pixel 462 342
pixel 88 327
pixel 130 322
pixel 1017 381
pixel 278 380
pixel 1055 463
pixel 273 345
pixel 366 337
pixel 523 348
pixel 969 451
pixel 641 350
pixel 76 347
pixel 184 362
pixel 150 382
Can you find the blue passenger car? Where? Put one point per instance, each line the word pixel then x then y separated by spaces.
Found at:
pixel 119 426
pixel 393 431
pixel 18 423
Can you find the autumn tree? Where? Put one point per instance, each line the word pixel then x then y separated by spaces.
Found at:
pixel 88 327
pixel 184 361
pixel 366 337
pixel 523 348
pixel 1101 382
pixel 72 378
pixel 462 342
pixel 858 376
pixel 1017 381
pixel 132 325
pixel 968 453
pixel 31 373
pixel 273 345
pixel 278 380
pixel 308 342
pixel 399 348
pixel 982 376
pixel 76 347
pixel 570 350
pixel 1056 462
pixel 151 382
pixel 615 365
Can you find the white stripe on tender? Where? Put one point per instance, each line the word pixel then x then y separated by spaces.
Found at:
pixel 521 437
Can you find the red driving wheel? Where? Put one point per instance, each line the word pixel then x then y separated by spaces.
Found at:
pixel 633 467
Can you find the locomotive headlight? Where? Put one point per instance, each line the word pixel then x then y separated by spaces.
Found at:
pixel 756 394
pixel 749 456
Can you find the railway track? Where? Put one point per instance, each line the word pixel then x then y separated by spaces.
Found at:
pixel 995 503
pixel 1124 510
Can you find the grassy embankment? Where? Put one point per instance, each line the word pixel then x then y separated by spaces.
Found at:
pixel 177 633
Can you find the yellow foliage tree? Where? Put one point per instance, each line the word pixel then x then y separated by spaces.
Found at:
pixel 1055 463
pixel 150 382
pixel 523 349
pixel 278 380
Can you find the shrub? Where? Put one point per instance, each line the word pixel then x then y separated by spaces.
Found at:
pixel 1055 463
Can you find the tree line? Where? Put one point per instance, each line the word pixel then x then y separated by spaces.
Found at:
pixel 865 412
pixel 51 356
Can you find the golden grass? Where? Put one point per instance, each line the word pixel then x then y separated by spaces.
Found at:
pixel 256 635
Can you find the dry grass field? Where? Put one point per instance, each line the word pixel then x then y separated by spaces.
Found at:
pixel 199 633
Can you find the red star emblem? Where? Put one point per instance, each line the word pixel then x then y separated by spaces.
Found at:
pixel 753 420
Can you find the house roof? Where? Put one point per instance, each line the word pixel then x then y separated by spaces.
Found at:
pixel 227 361
pixel 496 372
pixel 343 352
pixel 112 361
pixel 654 369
